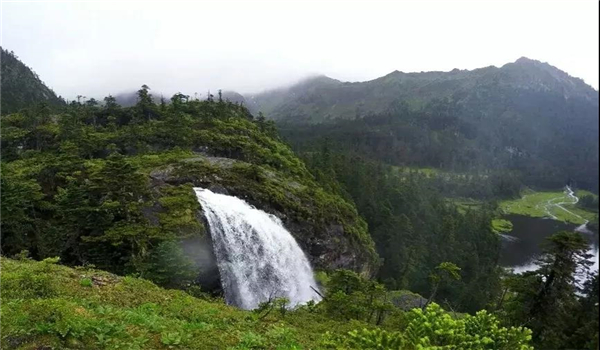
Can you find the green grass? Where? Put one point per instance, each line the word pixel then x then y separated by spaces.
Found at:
pixel 501 226
pixel 45 305
pixel 542 204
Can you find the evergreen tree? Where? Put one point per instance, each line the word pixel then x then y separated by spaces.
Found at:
pixel 546 300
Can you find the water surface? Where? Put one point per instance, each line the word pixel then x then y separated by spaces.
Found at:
pixel 528 235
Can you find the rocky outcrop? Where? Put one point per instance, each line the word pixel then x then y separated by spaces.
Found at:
pixel 406 300
pixel 328 242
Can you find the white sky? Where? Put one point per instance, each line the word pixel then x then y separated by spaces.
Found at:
pixel 96 48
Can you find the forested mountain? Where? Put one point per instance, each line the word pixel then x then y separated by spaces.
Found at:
pixel 526 117
pixel 21 87
pixel 112 186
pixel 322 99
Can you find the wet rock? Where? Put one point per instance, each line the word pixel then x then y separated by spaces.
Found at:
pixel 327 245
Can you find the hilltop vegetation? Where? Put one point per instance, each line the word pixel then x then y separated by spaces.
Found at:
pixel 21 87
pixel 112 186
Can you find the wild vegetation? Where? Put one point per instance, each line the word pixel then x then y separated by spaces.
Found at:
pixel 560 309
pixel 526 123
pixel 49 305
pixel 415 229
pixel 112 186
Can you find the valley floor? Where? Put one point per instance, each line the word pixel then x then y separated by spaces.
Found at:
pixel 557 205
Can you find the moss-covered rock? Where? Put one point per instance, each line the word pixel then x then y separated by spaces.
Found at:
pixel 328 228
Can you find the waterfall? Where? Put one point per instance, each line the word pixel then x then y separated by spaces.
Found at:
pixel 258 258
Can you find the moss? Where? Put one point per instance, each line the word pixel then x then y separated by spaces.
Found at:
pixel 501 226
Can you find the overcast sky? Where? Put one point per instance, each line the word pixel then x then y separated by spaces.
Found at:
pixel 97 48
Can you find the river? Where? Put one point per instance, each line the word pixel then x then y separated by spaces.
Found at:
pixel 523 244
pixel 529 234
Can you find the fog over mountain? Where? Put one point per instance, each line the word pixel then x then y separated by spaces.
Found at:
pixel 249 47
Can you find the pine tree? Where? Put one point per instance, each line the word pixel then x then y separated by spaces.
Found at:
pixel 546 300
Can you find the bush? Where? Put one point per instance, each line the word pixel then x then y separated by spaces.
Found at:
pixel 85 282
pixel 432 329
pixel 351 296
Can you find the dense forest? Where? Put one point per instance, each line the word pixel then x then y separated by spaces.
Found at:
pixel 527 118
pixel 415 229
pixel 111 186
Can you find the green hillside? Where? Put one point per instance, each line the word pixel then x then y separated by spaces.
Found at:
pixel 322 99
pixel 112 186
pixel 527 118
pixel 21 87
pixel 49 306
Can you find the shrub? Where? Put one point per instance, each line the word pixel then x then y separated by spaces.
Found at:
pixel 433 328
pixel 85 282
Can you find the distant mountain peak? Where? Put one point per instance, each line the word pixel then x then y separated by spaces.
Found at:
pixel 525 60
pixel 318 78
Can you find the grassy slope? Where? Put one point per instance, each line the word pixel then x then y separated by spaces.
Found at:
pixel 535 204
pixel 45 304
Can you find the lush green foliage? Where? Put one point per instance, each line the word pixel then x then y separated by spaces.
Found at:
pixel 49 305
pixel 350 296
pixel 77 182
pixel 434 329
pixel 415 229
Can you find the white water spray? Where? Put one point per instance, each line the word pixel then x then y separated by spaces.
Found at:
pixel 258 258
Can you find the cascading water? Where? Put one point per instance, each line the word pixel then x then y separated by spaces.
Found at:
pixel 258 258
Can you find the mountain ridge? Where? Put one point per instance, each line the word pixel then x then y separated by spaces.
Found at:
pixel 21 86
pixel 352 99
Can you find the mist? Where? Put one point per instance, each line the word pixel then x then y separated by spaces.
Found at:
pixel 100 48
